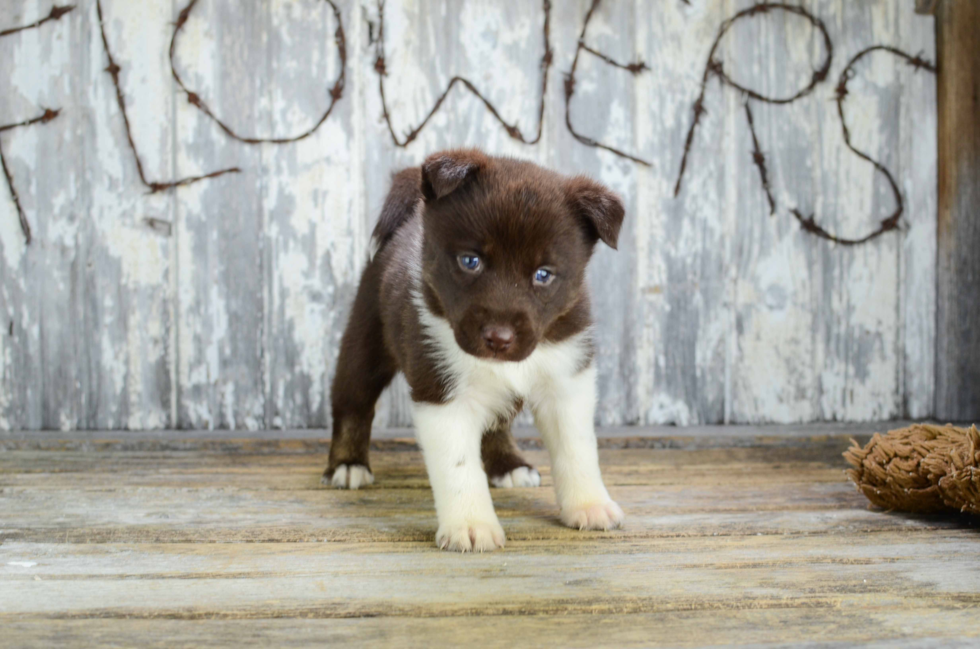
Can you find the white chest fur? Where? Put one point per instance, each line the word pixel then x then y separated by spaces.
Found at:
pixel 493 386
pixel 560 390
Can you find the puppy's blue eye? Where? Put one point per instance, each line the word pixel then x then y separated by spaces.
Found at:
pixel 469 263
pixel 543 276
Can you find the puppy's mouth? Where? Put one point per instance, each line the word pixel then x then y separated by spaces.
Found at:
pixel 505 357
pixel 502 357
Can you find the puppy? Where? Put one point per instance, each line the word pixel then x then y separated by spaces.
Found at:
pixel 477 293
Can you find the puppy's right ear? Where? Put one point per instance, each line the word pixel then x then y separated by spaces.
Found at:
pixel 599 208
pixel 446 171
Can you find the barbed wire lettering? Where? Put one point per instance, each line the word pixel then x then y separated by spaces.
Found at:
pixel 633 68
pixel 512 129
pixel 55 14
pixel 43 118
pixel 114 69
pixel 715 68
pixel 759 159
pixel 336 90
pixel 892 222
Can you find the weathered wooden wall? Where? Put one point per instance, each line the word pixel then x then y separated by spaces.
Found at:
pixel 220 304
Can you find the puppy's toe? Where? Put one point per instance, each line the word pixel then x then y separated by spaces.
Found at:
pixel 470 536
pixel 351 476
pixel 522 476
pixel 593 516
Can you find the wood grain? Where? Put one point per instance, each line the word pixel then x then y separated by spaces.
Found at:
pixel 935 627
pixel 227 546
pixel 711 311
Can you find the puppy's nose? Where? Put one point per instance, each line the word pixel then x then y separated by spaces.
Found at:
pixel 498 338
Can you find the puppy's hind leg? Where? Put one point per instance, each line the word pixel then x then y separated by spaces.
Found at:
pixel 502 460
pixel 364 369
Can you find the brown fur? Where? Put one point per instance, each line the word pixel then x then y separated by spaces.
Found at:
pixel 517 217
pixel 499 449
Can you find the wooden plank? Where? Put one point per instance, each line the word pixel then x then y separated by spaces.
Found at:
pixel 314 244
pixel 682 243
pixel 958 304
pixel 918 178
pixel 924 628
pixel 219 226
pixel 398 470
pixel 173 497
pixel 858 325
pixel 114 470
pixel 605 107
pixel 687 437
pixel 775 274
pixel 200 515
pixel 378 580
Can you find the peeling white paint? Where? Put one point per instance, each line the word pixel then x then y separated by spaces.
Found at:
pixel 711 310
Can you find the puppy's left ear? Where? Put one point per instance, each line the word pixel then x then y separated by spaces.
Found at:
pixel 444 172
pixel 601 209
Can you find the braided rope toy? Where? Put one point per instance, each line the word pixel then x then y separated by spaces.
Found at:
pixel 922 468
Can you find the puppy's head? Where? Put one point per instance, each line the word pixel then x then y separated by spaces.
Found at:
pixel 505 248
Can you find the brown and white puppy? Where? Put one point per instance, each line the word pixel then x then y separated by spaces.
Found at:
pixel 477 293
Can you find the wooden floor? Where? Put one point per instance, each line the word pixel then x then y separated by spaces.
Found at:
pixel 733 536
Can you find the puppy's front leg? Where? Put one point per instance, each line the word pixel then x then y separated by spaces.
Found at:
pixel 563 413
pixel 449 435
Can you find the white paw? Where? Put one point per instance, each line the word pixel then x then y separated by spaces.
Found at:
pixel 595 516
pixel 349 477
pixel 470 536
pixel 522 476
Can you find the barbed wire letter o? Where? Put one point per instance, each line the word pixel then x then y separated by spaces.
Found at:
pixel 336 90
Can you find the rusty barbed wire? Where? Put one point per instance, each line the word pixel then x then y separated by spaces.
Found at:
pixel 336 90
pixel 715 67
pixel 114 69
pixel 45 117
pixel 55 14
pixel 759 159
pixel 892 222
pixel 633 68
pixel 512 129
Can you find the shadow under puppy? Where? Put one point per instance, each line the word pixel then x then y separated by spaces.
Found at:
pixel 477 293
